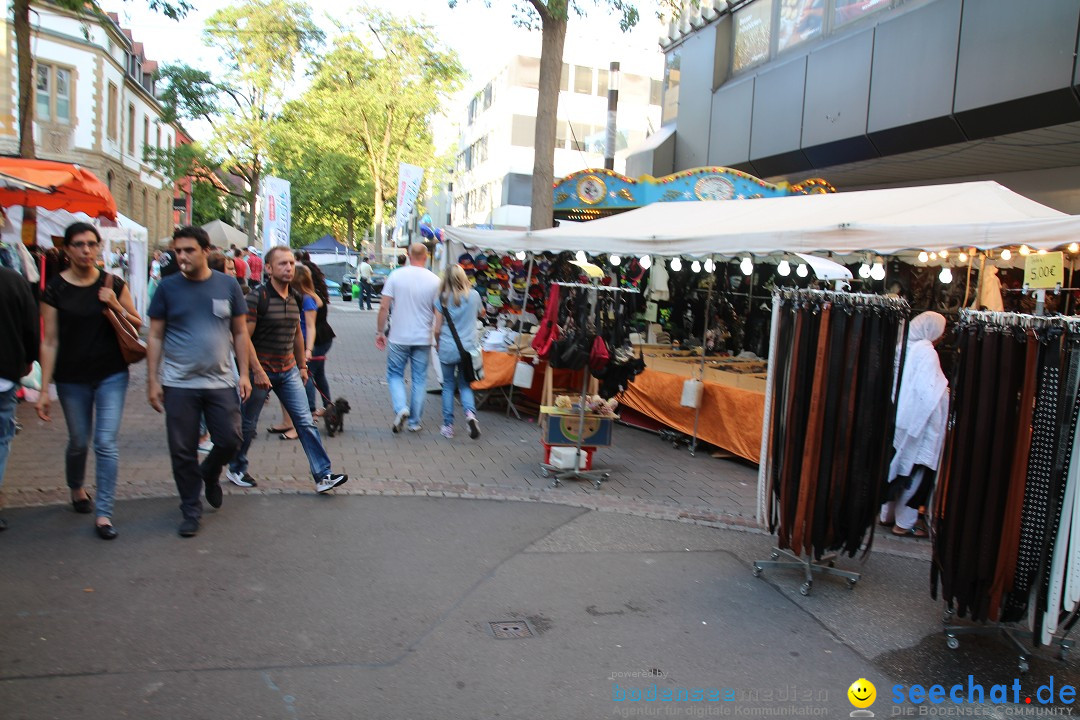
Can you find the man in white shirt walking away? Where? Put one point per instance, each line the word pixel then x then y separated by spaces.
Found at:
pixel 365 271
pixel 410 292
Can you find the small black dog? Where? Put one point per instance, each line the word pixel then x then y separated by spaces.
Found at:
pixel 335 416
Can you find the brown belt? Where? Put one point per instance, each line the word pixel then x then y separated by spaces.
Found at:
pixel 811 456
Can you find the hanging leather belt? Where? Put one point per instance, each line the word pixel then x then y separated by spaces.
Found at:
pixel 811 452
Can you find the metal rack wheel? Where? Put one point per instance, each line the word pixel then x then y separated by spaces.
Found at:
pixel 544 472
pixel 804 589
pixel 1023 665
pixel 851 583
pixel 757 573
pixel 774 555
pixel 1064 653
pixel 952 642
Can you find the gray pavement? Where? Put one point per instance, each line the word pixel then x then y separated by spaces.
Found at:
pixel 358 605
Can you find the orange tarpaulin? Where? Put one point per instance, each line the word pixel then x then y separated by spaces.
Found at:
pixel 731 418
pixel 499 372
pixel 54 186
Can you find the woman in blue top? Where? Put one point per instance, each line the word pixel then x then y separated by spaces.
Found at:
pixel 463 304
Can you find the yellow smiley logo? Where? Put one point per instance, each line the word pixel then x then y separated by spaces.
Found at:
pixel 862 693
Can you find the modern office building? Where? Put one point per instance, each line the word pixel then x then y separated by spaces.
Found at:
pixel 493 173
pixel 95 104
pixel 875 93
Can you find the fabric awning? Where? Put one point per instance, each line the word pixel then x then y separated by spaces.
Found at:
pixel 975 214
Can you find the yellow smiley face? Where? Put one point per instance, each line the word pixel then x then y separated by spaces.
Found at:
pixel 862 693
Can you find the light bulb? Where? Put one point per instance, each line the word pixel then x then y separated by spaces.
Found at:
pixel 1042 252
pixel 944 253
pixel 784 268
pixel 1025 250
pixel 614 260
pixel 709 265
pixel 802 270
pixel 923 257
pixel 580 256
pixel 864 271
pixel 695 266
pixel 676 264
pixel 747 266
pixel 645 262
pixel 945 276
pixel 963 257
pixel 520 255
pixel 1006 254
pixel 878 271
pixel 1074 248
pixel 933 256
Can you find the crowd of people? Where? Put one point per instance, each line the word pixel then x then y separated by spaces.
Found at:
pixel 225 329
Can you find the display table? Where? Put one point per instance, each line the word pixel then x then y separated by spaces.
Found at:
pixel 499 373
pixel 731 417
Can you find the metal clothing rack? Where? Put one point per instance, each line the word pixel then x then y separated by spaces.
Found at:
pixel 595 475
pixel 1011 634
pixel 825 566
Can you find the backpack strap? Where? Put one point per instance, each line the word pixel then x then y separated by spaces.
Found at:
pixel 264 300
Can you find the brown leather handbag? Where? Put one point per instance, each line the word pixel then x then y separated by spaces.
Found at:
pixel 132 348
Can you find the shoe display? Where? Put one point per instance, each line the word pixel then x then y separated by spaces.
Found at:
pixel 240 479
pixel 330 481
pixel 106 532
pixel 474 425
pixel 402 416
pixel 189 527
pixel 447 431
pixel 214 494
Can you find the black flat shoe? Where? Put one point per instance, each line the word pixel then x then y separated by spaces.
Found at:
pixel 106 532
pixel 83 507
pixel 277 430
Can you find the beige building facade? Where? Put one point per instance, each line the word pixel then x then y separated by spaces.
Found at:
pixel 95 105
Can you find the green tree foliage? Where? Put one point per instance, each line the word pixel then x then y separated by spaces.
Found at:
pixel 261 42
pixel 550 17
pixel 209 203
pixel 369 108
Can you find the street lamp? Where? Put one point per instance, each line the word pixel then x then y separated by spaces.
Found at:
pixel 612 109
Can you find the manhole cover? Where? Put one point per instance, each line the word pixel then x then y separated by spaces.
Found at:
pixel 510 629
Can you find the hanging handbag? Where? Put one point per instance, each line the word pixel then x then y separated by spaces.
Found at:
pixel 131 347
pixel 472 361
pixel 599 356
pixel 549 330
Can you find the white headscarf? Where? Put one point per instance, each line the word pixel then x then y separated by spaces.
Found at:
pixel 922 409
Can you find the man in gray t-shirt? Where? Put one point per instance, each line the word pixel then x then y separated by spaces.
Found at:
pixel 197 326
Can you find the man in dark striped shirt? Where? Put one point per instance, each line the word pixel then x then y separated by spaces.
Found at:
pixel 277 347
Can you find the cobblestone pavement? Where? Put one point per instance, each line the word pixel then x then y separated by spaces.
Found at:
pixel 648 476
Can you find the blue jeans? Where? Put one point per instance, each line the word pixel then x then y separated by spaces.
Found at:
pixel 453 377
pixel 7 426
pixel 417 356
pixel 80 401
pixel 317 378
pixel 287 386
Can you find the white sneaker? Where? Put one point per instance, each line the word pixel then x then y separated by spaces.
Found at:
pixel 416 428
pixel 474 425
pixel 240 479
pixel 402 416
pixel 330 481
pixel 205 447
pixel 447 431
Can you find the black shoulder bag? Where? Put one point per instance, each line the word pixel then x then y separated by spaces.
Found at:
pixel 472 363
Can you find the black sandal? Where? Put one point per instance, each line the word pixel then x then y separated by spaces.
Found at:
pixel 278 430
pixel 84 506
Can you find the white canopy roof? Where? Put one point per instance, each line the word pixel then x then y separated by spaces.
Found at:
pixel 975 214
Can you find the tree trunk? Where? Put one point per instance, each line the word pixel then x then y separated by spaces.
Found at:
pixel 547 106
pixel 253 204
pixel 378 220
pixel 350 218
pixel 25 60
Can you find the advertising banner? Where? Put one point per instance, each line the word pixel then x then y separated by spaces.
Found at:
pixel 409 177
pixel 277 212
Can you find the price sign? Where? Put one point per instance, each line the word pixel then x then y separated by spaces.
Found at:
pixel 1044 272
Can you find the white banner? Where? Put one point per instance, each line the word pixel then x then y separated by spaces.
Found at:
pixel 277 212
pixel 409 177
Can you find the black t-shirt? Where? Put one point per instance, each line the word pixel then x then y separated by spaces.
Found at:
pixel 88 350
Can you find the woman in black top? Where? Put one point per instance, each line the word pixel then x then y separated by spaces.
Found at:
pixel 80 351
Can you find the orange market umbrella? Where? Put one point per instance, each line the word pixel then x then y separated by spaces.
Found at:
pixel 54 186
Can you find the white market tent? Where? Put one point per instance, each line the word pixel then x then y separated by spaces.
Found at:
pixel 974 214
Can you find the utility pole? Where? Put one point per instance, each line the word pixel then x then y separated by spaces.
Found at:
pixel 612 110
